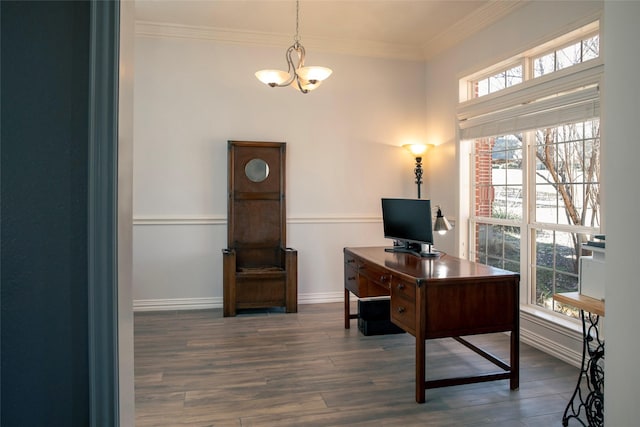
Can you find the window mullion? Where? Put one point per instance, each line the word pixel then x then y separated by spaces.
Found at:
pixel 527 247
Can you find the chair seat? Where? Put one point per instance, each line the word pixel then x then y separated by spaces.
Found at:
pixel 261 274
pixel 264 269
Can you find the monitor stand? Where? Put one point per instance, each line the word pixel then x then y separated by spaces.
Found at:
pixel 413 249
pixel 431 253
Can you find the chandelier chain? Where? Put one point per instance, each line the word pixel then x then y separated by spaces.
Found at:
pixel 297 37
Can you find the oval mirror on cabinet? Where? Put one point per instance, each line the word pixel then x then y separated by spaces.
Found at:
pixel 257 170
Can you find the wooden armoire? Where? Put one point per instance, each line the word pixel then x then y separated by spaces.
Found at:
pixel 259 270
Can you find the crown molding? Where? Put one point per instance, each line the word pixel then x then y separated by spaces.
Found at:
pixel 471 24
pixel 476 21
pixel 254 38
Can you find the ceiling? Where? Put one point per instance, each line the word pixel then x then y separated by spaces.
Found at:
pixel 407 29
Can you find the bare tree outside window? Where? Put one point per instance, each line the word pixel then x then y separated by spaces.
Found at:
pixel 567 193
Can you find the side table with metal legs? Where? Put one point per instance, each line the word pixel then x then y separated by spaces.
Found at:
pixel 589 391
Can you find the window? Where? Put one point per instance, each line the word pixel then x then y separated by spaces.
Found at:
pixel 567 204
pixel 496 82
pixel 577 52
pixel 535 161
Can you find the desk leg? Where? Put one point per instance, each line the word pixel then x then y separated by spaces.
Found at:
pixel 347 310
pixel 421 374
pixel 514 380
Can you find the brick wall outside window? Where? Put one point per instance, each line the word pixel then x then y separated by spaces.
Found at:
pixel 484 193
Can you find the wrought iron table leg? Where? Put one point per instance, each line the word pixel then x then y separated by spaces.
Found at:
pixel 592 371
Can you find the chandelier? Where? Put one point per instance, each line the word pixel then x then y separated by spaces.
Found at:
pixel 305 79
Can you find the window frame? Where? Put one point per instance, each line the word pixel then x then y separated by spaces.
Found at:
pixel 487 74
pixel 535 54
pixel 589 71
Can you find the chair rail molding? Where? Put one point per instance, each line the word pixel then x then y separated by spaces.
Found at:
pixel 222 219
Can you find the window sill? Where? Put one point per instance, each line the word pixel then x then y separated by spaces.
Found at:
pixel 561 322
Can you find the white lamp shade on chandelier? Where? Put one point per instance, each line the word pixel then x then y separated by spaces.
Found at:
pixel 314 73
pixel 272 77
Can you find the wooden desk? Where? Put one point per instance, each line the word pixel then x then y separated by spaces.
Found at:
pixel 439 298
pixel 592 365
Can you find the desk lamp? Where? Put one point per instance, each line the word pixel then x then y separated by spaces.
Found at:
pixel 442 225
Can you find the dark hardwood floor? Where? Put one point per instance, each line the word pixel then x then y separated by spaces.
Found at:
pixel 196 368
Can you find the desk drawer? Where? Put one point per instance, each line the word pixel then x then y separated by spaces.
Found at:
pixel 376 276
pixel 360 285
pixel 351 281
pixel 350 260
pixel 403 305
pixel 403 313
pixel 403 289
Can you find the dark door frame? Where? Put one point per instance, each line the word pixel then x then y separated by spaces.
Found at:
pixel 102 213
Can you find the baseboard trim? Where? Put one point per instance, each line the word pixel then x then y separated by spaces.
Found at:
pixel 176 304
pixel 567 347
pixel 208 303
pixel 551 347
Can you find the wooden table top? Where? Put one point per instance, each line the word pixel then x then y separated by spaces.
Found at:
pixel 432 269
pixel 583 302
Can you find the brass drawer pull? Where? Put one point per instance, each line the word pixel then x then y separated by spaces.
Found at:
pixel 351 278
pixel 384 278
pixel 351 261
pixel 401 310
pixel 400 286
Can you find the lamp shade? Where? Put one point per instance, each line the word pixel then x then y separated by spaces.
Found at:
pixel 272 77
pixel 313 73
pixel 417 149
pixel 306 85
pixel 442 225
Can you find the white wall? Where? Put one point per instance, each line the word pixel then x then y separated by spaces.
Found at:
pixel 343 154
pixel 621 153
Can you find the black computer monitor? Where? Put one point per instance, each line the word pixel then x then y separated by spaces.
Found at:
pixel 408 223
